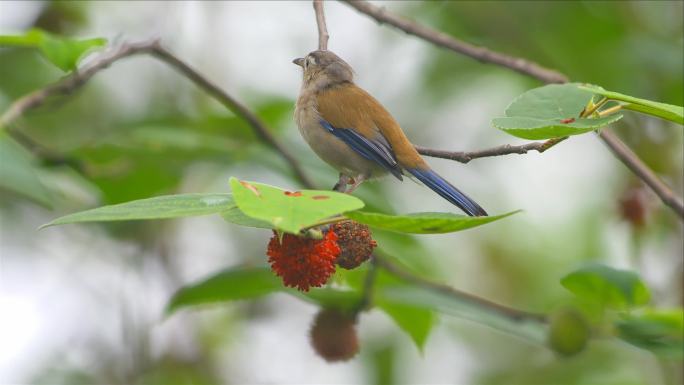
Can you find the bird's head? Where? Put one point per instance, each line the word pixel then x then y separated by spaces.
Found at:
pixel 324 68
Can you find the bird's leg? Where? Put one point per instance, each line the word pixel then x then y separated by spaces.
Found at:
pixel 341 185
pixel 356 182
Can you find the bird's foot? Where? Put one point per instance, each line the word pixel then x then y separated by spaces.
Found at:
pixel 354 183
pixel 341 185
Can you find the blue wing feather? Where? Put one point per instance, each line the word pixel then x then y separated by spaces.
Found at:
pixel 373 150
pixel 445 189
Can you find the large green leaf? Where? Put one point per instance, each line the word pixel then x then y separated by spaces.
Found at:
pixel 168 206
pixel 443 301
pixel 18 174
pixel 60 51
pixel 661 332
pixel 228 285
pixel 551 111
pixel 290 211
pixel 606 286
pixel 235 216
pixel 661 110
pixel 239 283
pixel 422 223
pixel 415 321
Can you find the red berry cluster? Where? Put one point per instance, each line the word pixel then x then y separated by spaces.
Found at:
pixel 306 262
pixel 303 262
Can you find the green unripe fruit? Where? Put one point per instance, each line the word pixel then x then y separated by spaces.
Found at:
pixel 568 332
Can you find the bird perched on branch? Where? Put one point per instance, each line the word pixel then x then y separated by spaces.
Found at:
pixel 355 134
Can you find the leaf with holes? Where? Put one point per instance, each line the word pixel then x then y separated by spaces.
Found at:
pixel 549 112
pixel 290 211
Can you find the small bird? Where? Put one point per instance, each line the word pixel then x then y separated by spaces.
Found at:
pixel 354 133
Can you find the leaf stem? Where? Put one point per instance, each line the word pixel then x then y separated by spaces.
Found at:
pixel 610 111
pixel 589 112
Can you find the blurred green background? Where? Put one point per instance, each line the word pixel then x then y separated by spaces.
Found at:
pixel 84 304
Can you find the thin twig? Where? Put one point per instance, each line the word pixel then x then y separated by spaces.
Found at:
pixel 514 314
pixel 631 160
pixel 443 40
pixel 322 28
pixel 621 151
pixel 71 82
pixel 506 149
pixel 366 301
pixel 153 48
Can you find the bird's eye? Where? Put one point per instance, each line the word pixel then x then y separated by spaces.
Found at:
pixel 310 60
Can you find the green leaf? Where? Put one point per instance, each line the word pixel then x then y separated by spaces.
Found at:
pixel 328 297
pixel 422 223
pixel 60 51
pixel 229 285
pixel 551 111
pixel 168 206
pixel 606 286
pixel 661 110
pixel 290 211
pixel 235 216
pixel 18 174
pixel 661 332
pixel 239 283
pixel 416 322
pixel 460 306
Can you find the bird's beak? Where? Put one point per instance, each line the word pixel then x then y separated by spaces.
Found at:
pixel 299 61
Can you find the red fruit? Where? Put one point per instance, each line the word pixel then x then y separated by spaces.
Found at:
pixel 303 262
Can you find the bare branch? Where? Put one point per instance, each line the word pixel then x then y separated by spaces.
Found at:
pixel 506 149
pixel 322 28
pixel 71 82
pixel 632 161
pixel 153 48
pixel 525 67
pixel 443 40
pixel 508 312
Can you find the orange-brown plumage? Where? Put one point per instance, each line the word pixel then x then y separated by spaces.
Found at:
pixel 347 106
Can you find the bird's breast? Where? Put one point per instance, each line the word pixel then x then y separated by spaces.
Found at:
pixel 327 146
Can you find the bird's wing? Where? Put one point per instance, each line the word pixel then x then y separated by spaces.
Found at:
pixel 354 116
pixel 359 120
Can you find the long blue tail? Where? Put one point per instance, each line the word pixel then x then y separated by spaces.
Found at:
pixel 439 185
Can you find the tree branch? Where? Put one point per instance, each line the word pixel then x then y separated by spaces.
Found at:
pixel 443 40
pixel 322 28
pixel 621 151
pixel 153 48
pixel 632 161
pixel 508 312
pixel 506 149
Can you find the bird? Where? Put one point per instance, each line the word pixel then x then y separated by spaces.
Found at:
pixel 351 131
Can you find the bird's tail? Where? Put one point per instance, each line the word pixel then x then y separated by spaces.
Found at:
pixel 447 191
